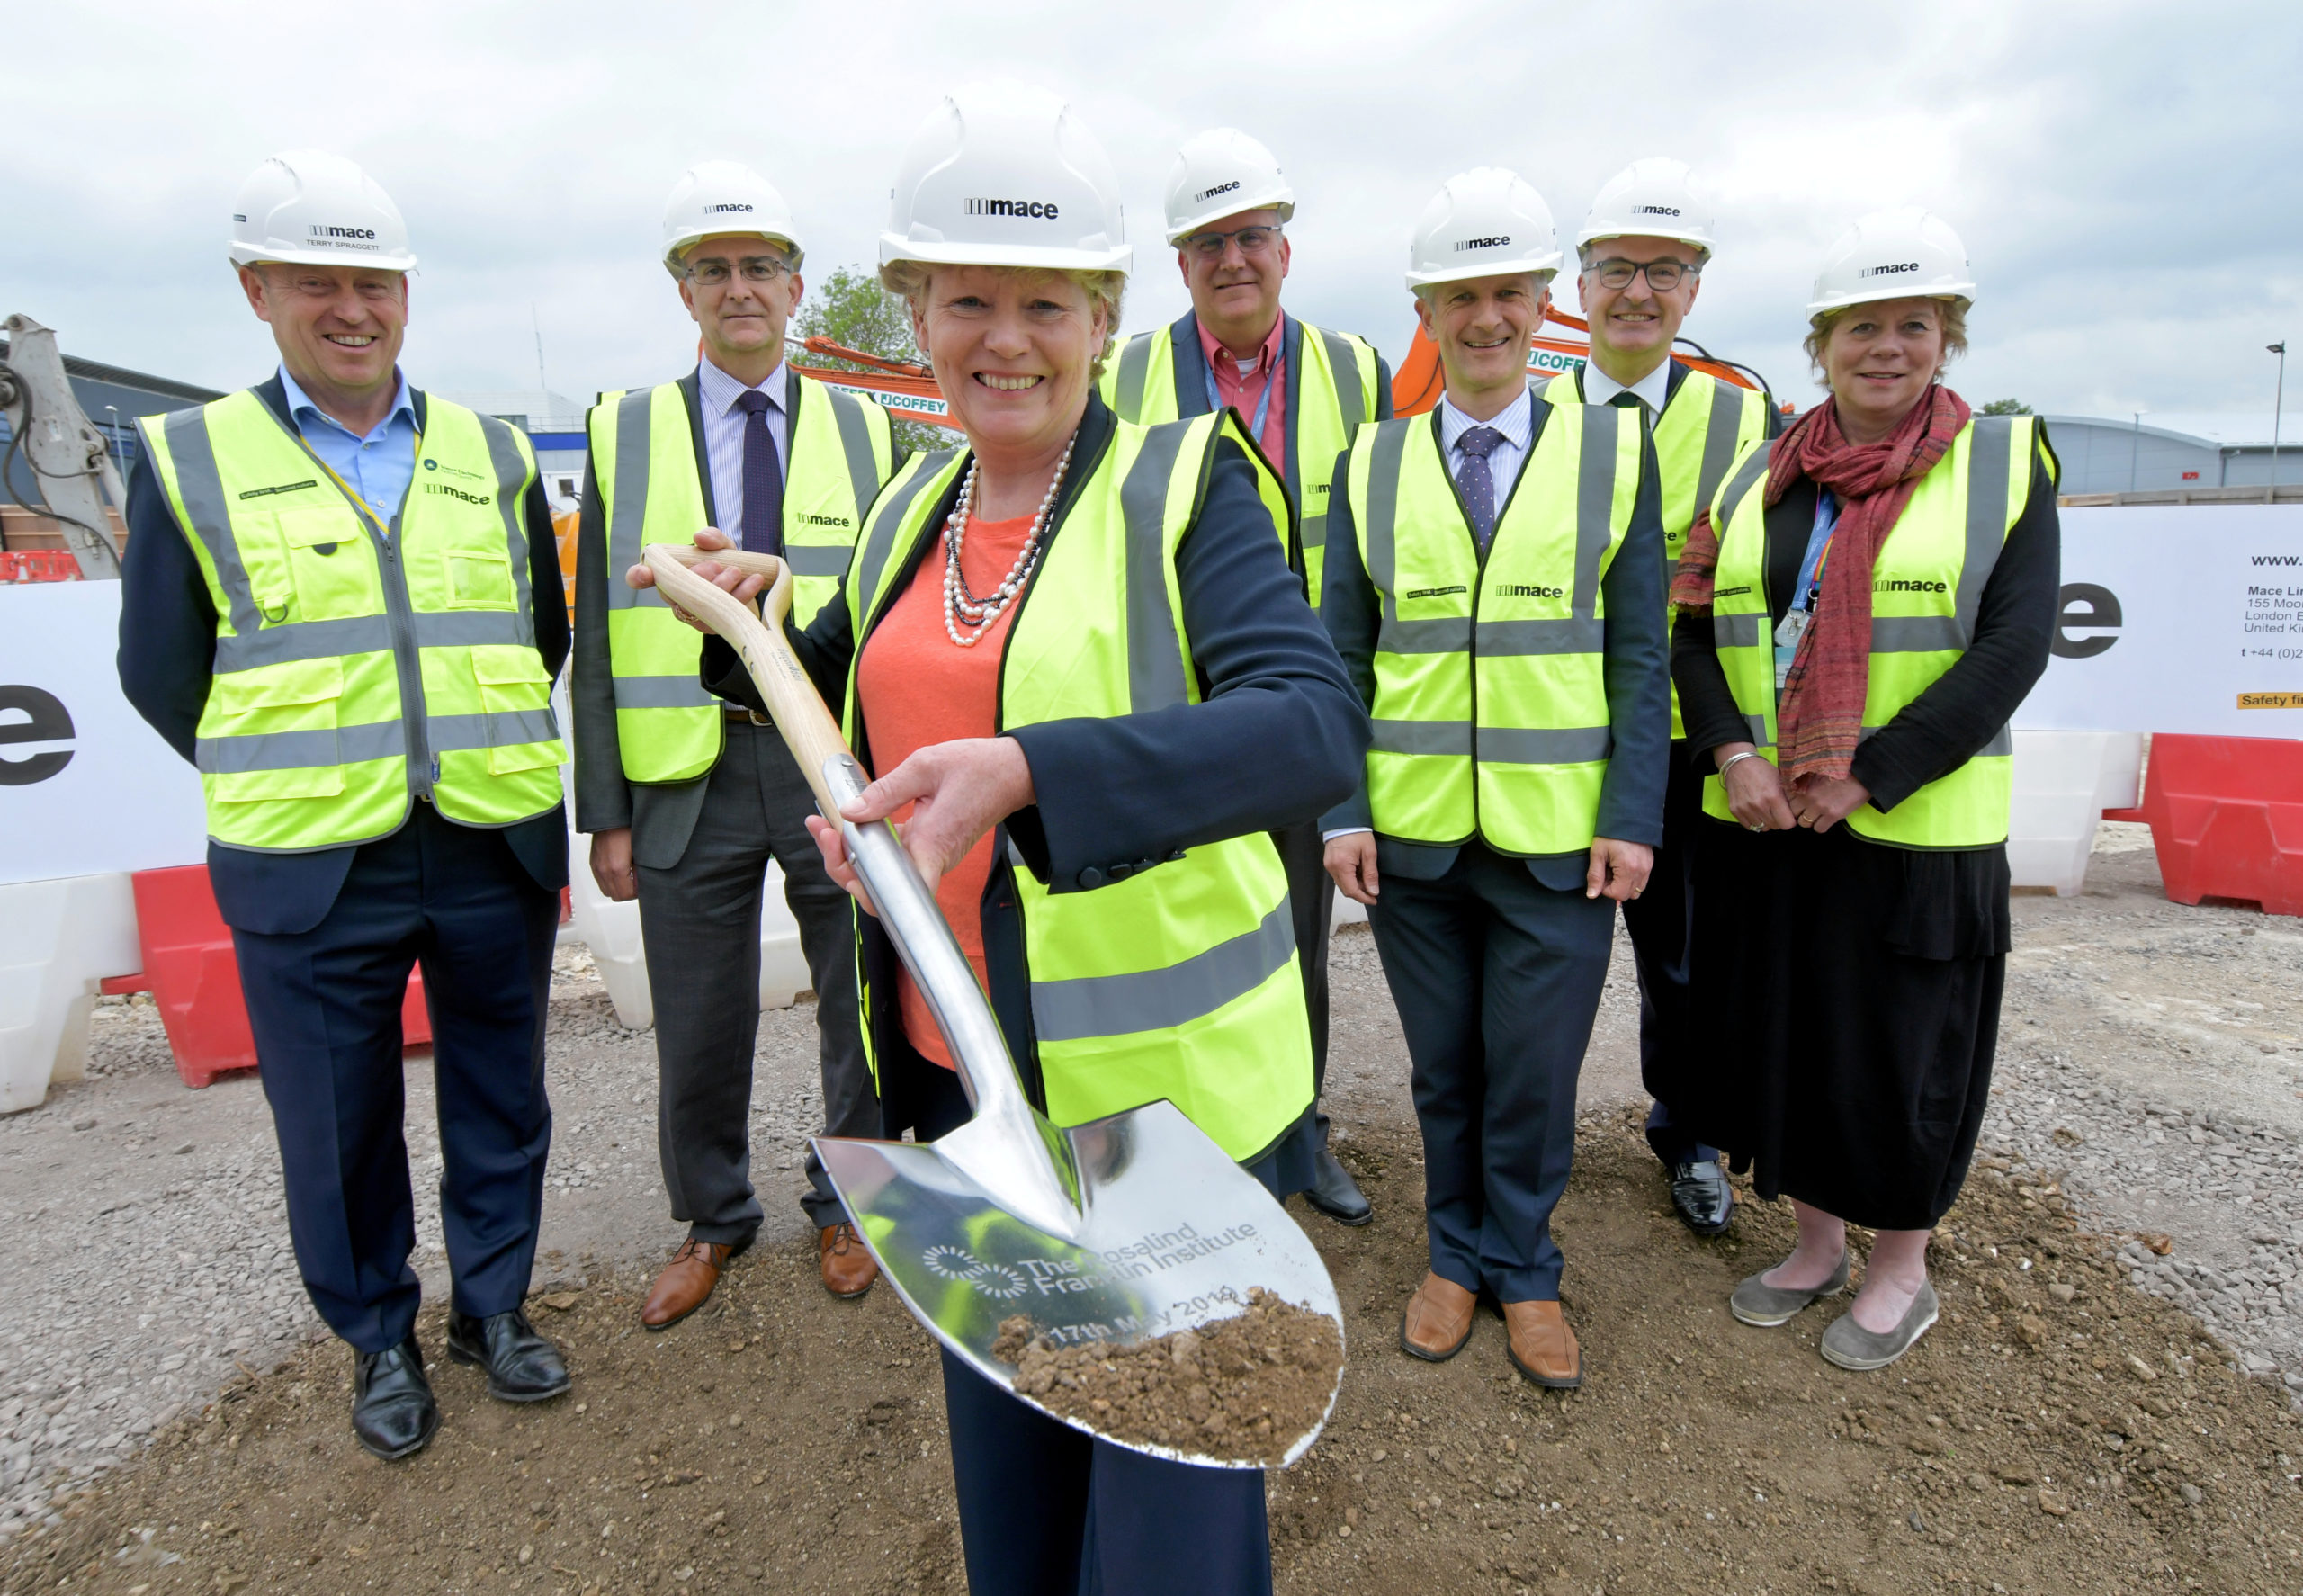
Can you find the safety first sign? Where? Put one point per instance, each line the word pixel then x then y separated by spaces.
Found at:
pixel 2183 618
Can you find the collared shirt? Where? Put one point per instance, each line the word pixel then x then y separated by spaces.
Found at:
pixel 724 436
pixel 1652 391
pixel 1516 424
pixel 378 466
pixel 1243 385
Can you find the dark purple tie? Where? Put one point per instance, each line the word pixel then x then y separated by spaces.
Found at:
pixel 1477 483
pixel 763 529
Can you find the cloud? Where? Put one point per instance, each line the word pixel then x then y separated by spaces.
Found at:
pixel 2123 178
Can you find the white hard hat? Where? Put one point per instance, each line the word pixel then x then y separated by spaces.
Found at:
pixel 713 197
pixel 1482 223
pixel 308 208
pixel 1002 175
pixel 1894 254
pixel 1220 173
pixel 1651 198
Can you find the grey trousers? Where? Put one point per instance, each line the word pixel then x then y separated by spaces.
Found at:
pixel 700 920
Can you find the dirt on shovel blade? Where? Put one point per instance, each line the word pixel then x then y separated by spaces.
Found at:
pixel 1242 1389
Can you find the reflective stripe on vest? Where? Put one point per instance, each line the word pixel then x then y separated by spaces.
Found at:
pixel 1337 392
pixel 1705 425
pixel 668 728
pixel 1927 589
pixel 1178 980
pixel 356 665
pixel 1491 711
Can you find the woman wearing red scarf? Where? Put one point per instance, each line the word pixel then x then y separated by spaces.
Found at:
pixel 1861 608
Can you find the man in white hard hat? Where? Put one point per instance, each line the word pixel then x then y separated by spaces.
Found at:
pixel 1641 254
pixel 341 602
pixel 687 804
pixel 1302 391
pixel 1495 587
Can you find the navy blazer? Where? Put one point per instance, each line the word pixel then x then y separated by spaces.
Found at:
pixel 167 656
pixel 1279 734
pixel 1638 672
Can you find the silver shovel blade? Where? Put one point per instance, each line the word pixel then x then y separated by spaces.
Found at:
pixel 1172 1235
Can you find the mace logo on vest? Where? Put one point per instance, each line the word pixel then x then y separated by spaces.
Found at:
pixel 469 499
pixel 824 520
pixel 1909 584
pixel 1038 210
pixel 1528 590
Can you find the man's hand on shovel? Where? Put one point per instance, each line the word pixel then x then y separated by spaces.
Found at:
pixel 958 789
pixel 734 583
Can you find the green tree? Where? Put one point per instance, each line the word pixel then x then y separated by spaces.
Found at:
pixel 2007 407
pixel 848 307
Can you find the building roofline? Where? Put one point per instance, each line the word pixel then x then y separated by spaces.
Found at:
pixel 96 371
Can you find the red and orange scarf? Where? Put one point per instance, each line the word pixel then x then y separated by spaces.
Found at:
pixel 1820 716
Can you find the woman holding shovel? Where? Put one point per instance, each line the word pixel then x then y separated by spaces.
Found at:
pixel 1075 653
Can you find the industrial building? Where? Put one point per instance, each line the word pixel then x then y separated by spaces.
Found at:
pixel 2174 449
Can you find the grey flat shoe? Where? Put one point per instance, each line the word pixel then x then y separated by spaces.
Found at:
pixel 1757 1303
pixel 1851 1346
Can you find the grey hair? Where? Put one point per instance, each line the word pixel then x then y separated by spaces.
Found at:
pixel 1820 326
pixel 909 280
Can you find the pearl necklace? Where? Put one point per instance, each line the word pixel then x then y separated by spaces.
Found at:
pixel 962 606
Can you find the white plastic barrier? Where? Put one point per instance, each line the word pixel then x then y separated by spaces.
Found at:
pixel 2063 781
pixel 58 939
pixel 611 932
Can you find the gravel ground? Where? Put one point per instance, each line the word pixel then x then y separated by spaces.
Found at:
pixel 2151 1072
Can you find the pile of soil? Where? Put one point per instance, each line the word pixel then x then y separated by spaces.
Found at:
pixel 1241 1390
pixel 2057 1430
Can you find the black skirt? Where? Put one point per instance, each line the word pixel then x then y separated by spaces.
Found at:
pixel 1850 995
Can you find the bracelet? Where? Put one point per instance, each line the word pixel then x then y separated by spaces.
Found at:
pixel 1736 759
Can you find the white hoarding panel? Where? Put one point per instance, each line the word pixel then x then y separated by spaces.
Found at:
pixel 86 787
pixel 2185 618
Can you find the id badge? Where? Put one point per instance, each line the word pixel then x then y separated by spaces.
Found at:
pixel 1786 644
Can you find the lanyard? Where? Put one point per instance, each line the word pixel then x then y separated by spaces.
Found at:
pixel 1263 405
pixel 359 502
pixel 1819 551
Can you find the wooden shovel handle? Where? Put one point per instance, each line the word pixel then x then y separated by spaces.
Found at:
pixel 808 727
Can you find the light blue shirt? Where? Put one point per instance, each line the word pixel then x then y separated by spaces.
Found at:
pixel 1518 425
pixel 377 466
pixel 724 437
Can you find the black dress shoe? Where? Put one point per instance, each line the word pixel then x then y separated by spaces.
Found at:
pixel 1335 1194
pixel 1700 1192
pixel 393 1413
pixel 521 1364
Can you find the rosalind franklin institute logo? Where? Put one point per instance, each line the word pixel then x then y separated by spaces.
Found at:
pixel 992 1279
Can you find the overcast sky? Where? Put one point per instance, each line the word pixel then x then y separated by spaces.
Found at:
pixel 2127 178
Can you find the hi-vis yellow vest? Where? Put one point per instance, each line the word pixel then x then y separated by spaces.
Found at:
pixel 1704 425
pixel 1336 393
pixel 1927 585
pixel 1491 710
pixel 357 665
pixel 1178 981
pixel 668 728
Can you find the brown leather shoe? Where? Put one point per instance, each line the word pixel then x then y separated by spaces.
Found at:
pixel 685 1285
pixel 1437 1321
pixel 844 1261
pixel 1542 1346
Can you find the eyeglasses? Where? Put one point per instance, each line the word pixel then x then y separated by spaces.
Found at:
pixel 756 268
pixel 1663 275
pixel 1252 241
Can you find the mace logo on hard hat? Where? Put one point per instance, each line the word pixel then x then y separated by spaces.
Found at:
pixel 1039 209
pixel 1888 271
pixel 1221 188
pixel 322 230
pixel 1497 242
pixel 1655 210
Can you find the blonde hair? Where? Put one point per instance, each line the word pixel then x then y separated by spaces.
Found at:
pixel 1954 316
pixel 909 281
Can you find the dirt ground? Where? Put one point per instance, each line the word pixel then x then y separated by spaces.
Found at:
pixel 2041 1439
pixel 2061 1430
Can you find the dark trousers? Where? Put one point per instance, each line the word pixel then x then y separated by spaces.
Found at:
pixel 1311 904
pixel 1046 1510
pixel 1660 920
pixel 325 1006
pixel 699 922
pixel 1497 981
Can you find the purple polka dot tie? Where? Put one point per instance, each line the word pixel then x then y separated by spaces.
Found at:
pixel 1475 481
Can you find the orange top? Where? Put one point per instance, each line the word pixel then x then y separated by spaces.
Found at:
pixel 917 689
